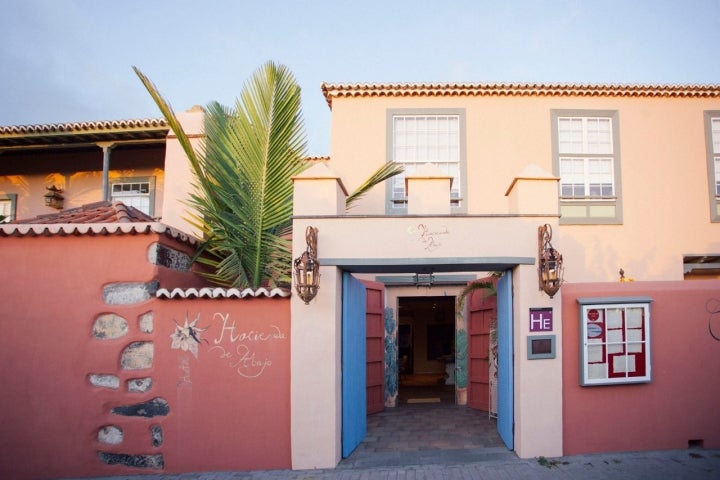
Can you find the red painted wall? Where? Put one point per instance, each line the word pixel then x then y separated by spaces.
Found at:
pixel 681 402
pixel 228 407
pixel 232 402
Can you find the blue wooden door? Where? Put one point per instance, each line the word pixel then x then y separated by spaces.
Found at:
pixel 354 396
pixel 506 414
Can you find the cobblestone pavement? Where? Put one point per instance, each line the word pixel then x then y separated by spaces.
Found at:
pixel 441 441
pixel 672 464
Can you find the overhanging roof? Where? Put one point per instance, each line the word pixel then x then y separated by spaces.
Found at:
pixel 151 130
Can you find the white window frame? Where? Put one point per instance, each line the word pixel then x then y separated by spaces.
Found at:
pixel 712 141
pixel 130 194
pixel 11 200
pixel 615 341
pixel 587 160
pixel 443 149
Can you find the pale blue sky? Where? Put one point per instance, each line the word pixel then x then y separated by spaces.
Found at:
pixel 70 60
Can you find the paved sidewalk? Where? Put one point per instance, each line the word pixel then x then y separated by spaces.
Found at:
pixel 672 464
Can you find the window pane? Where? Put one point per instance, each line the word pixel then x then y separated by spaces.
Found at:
pixel 419 139
pixel 5 210
pixel 133 194
pixel 716 134
pixel 599 135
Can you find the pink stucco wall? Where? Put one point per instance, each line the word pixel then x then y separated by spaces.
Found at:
pixel 228 405
pixel 681 402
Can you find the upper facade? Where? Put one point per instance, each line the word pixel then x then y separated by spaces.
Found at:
pixel 637 166
pixel 45 168
pixel 48 167
pixel 634 169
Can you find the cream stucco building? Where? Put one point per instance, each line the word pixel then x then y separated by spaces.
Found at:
pixel 624 176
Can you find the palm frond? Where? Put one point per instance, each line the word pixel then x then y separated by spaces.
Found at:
pixel 488 289
pixel 243 177
pixel 387 170
pixel 169 115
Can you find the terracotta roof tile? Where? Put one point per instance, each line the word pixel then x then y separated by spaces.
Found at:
pixel 149 130
pixel 331 91
pixel 101 218
pixel 219 292
pixel 99 212
pixel 82 127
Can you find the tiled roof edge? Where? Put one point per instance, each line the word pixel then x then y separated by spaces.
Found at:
pixel 218 292
pixel 62 229
pixel 331 91
pixel 141 123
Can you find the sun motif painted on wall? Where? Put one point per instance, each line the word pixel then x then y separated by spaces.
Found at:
pixel 187 338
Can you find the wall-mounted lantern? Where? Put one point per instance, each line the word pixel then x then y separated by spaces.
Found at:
pixel 550 262
pixel 53 197
pixel 307 268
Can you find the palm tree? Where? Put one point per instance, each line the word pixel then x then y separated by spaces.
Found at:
pixel 243 178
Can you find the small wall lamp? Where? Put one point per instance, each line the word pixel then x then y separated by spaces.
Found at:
pixel 53 197
pixel 550 262
pixel 307 268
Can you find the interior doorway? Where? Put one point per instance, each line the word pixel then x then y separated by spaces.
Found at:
pixel 426 350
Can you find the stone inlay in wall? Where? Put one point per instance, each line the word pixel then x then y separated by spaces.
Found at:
pixel 137 355
pixel 129 293
pixel 156 432
pixel 139 385
pixel 110 434
pixel 109 325
pixel 156 407
pixel 168 257
pixel 146 322
pixel 138 461
pixel 104 380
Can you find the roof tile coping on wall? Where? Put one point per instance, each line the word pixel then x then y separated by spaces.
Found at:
pixel 331 91
pixel 219 292
pixel 64 229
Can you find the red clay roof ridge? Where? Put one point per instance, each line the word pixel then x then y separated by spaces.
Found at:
pixel 337 90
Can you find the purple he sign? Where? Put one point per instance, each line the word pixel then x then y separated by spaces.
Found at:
pixel 541 319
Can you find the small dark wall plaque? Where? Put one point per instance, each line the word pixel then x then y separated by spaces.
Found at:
pixel 540 346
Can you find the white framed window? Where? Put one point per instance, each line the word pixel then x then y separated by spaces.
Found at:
pixel 7 207
pixel 614 341
pixel 134 192
pixel 712 133
pixel 587 161
pixel 421 137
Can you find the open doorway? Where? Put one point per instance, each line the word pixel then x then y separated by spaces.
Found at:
pixel 426 350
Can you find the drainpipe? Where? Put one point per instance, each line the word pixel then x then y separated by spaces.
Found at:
pixel 106 147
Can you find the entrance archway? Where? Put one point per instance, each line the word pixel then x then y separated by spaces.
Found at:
pixel 436 347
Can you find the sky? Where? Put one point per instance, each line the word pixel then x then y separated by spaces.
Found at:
pixel 71 60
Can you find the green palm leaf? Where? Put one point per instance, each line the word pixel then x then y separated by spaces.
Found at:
pixel 243 178
pixel 387 170
pixel 242 187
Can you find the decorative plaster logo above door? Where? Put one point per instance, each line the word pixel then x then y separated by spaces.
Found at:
pixel 429 236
